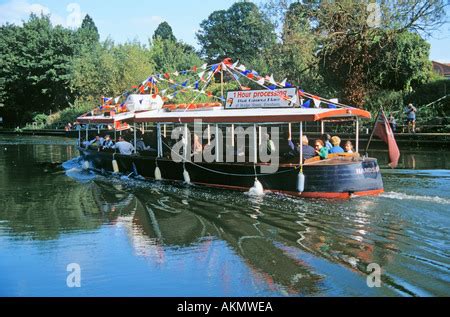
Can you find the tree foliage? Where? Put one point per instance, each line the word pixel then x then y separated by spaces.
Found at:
pixel 35 68
pixel 164 32
pixel 241 32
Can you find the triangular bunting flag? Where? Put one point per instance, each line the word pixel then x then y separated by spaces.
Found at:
pixel 316 102
pixel 241 68
pixel 271 80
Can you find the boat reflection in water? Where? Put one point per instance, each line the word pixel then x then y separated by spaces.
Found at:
pixel 281 249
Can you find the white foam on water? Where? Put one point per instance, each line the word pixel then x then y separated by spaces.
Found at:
pixel 403 196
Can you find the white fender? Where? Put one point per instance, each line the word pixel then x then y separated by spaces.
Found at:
pixel 115 166
pixel 86 165
pixel 157 173
pixel 300 182
pixel 186 177
pixel 257 189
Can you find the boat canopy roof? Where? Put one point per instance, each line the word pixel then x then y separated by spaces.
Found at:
pixel 101 119
pixel 251 115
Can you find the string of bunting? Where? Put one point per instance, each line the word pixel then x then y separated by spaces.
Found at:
pixel 198 77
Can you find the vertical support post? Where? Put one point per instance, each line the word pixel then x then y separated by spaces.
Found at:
pixel 255 144
pixel 217 143
pixel 259 135
pixel 87 132
pixel 232 135
pixel 357 135
pixel 185 135
pixel 290 130
pixel 159 143
pixel 98 129
pixel 135 136
pixel 79 137
pixel 301 143
pixel 322 127
pixel 165 131
pixel 209 134
pixel 115 134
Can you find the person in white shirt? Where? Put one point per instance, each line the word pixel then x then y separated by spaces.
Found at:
pixel 124 147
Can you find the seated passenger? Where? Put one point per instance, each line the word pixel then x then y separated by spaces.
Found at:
pixel 96 143
pixel 124 147
pixel 308 150
pixel 321 150
pixel 326 141
pixel 336 141
pixel 266 144
pixel 348 147
pixel 197 148
pixel 140 146
pixel 108 143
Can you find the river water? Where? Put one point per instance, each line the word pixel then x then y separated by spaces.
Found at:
pixel 134 238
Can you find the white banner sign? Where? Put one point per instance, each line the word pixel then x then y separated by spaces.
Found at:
pixel 279 98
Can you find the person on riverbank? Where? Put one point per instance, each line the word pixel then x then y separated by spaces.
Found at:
pixel 321 149
pixel 393 123
pixel 124 147
pixel 336 141
pixel 411 118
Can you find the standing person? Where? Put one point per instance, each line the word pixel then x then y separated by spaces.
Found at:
pixel 393 123
pixel 411 118
pixel 124 147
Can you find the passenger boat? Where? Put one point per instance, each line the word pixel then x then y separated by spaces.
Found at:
pixel 245 116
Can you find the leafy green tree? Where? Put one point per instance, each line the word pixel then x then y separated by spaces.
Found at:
pixel 88 33
pixel 35 67
pixel 164 32
pixel 170 56
pixel 110 70
pixel 241 32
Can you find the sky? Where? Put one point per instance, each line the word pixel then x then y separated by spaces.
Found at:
pixel 130 20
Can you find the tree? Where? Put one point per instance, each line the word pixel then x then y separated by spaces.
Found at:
pixel 241 32
pixel 353 38
pixel 170 56
pixel 164 32
pixel 88 32
pixel 110 70
pixel 35 67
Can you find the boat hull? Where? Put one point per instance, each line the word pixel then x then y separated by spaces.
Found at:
pixel 322 179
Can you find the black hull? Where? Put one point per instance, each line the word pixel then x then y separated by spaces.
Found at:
pixel 322 179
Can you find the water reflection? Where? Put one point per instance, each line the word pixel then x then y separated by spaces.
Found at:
pixel 225 240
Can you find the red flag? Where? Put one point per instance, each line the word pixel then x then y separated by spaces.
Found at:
pixel 382 129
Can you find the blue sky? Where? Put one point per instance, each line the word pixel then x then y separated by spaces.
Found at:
pixel 128 20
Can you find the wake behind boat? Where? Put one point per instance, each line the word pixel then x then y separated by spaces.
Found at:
pixel 249 139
